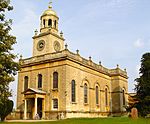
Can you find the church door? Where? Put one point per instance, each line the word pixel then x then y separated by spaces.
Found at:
pixel 39 107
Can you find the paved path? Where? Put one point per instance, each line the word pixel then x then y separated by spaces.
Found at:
pixel 29 120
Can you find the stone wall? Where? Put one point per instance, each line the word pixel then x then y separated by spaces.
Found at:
pixel 73 67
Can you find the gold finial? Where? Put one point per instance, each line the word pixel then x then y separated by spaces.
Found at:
pixel 117 65
pixel 20 57
pixel 61 34
pixel 77 52
pixel 90 58
pixel 50 4
pixel 36 32
pixel 66 46
pixel 100 63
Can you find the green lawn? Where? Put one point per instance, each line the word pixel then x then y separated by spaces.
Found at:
pixel 115 120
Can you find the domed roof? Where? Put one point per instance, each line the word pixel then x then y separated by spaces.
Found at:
pixel 49 11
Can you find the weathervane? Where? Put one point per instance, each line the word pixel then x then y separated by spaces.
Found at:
pixel 50 4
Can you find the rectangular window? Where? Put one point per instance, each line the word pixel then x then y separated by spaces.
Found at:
pixel 55 103
pixel 55 80
pixel 73 99
pixel 123 95
pixel 26 83
pixel 106 97
pixel 85 93
pixel 44 22
pixel 97 96
pixel 39 81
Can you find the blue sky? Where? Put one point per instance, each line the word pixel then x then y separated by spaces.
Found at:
pixel 111 31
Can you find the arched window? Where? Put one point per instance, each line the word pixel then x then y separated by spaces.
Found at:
pixel 44 22
pixel 123 97
pixel 106 97
pixel 39 81
pixel 55 80
pixel 55 23
pixel 50 23
pixel 55 103
pixel 85 93
pixel 26 83
pixel 73 91
pixel 97 95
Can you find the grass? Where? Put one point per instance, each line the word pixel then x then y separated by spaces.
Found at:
pixel 114 120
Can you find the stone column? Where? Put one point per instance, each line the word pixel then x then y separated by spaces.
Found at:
pixel 121 103
pixel 43 108
pixel 35 106
pixel 111 105
pixel 25 109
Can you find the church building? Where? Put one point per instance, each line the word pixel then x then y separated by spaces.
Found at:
pixel 57 83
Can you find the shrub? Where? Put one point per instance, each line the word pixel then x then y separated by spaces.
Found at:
pixel 5 109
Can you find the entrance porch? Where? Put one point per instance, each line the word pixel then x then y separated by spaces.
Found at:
pixel 34 104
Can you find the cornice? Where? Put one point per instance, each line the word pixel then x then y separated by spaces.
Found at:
pixel 67 55
pixel 47 33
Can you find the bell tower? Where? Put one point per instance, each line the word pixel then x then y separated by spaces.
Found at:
pixel 48 40
pixel 49 19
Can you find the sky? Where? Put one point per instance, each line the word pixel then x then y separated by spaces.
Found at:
pixel 111 31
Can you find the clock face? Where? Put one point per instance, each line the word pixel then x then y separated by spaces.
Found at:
pixel 57 46
pixel 40 45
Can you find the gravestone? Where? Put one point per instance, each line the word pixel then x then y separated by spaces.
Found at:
pixel 134 113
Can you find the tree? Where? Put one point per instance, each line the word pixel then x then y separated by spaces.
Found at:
pixel 8 66
pixel 143 86
pixel 6 108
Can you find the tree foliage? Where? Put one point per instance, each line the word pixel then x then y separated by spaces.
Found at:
pixel 6 108
pixel 8 67
pixel 143 86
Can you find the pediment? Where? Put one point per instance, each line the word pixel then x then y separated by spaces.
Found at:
pixel 33 91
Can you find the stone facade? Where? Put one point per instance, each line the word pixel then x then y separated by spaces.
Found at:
pixel 97 92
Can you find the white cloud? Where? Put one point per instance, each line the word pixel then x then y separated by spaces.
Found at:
pixel 139 43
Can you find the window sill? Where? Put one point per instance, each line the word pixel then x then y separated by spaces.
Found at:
pixel 73 102
pixel 86 104
pixel 54 109
pixel 55 89
pixel 97 105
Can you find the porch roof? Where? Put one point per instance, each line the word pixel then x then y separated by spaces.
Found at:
pixel 33 91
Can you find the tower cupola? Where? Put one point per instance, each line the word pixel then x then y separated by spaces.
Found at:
pixel 50 39
pixel 49 20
